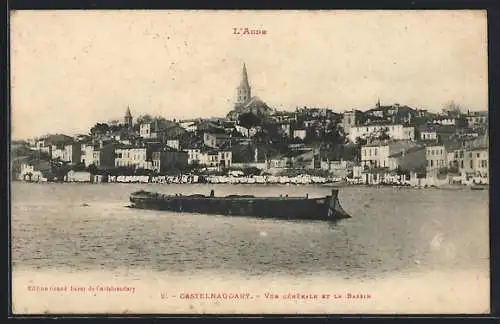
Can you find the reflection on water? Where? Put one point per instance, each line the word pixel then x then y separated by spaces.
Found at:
pixel 87 227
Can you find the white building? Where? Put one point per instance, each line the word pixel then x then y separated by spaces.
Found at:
pixel 394 131
pixel 377 155
pixel 428 135
pixel 210 158
pixel 77 176
pixel 436 156
pixel 189 126
pixel 136 157
pixel 299 133
pixel 56 152
pixel 477 118
pixel 173 143
pixel 147 130
pixel 195 156
pixel 87 156
pixel 445 121
pixel 29 173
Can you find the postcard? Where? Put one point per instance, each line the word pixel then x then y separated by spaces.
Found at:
pixel 249 162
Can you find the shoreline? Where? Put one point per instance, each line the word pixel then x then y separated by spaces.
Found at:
pixel 449 187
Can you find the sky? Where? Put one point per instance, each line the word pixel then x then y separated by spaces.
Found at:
pixel 71 69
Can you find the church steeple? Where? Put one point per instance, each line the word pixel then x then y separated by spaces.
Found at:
pixel 244 91
pixel 128 117
pixel 244 77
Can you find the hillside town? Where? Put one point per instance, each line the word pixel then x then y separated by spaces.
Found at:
pixel 254 143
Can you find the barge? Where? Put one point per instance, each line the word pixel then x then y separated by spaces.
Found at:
pixel 283 207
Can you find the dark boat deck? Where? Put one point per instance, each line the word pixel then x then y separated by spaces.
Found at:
pixel 281 207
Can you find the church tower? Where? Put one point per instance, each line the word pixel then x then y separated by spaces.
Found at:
pixel 244 92
pixel 128 118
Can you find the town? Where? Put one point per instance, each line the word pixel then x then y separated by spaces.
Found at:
pixel 254 143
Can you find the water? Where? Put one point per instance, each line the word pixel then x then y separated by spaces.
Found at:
pixel 393 232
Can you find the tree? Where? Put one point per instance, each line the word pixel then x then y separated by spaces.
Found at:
pixel 249 120
pixel 80 166
pixel 360 141
pixel 92 168
pixel 115 127
pixel 99 129
pixel 384 134
pixel 335 134
pixel 144 119
pixel 453 109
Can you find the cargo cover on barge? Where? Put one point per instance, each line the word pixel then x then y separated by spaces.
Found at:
pixel 283 207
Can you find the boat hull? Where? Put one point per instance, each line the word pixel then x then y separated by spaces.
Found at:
pixel 289 208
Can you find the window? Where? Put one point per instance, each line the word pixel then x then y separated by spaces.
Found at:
pixel 462 164
pixel 432 163
pixel 478 155
pixel 471 164
pixel 375 152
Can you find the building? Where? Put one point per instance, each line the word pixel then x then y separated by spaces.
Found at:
pixel 446 121
pixel 87 154
pixel 134 157
pixel 412 158
pixel 148 130
pixel 215 140
pixel 106 155
pixel 189 126
pixel 477 118
pixel 277 162
pixel 127 120
pixel 101 155
pixel 377 154
pixel 245 103
pixel 436 132
pixel 436 157
pixel 300 133
pixel 209 157
pixel 173 143
pixel 351 119
pixel 34 170
pixel 244 91
pixel 195 156
pixel 285 128
pixel 394 131
pixel 77 176
pixel 166 159
pixel 305 158
pixel 337 168
pixel 474 162
pixel 48 142
pixel 480 158
pixel 56 151
pixel 72 153
pixel 225 159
